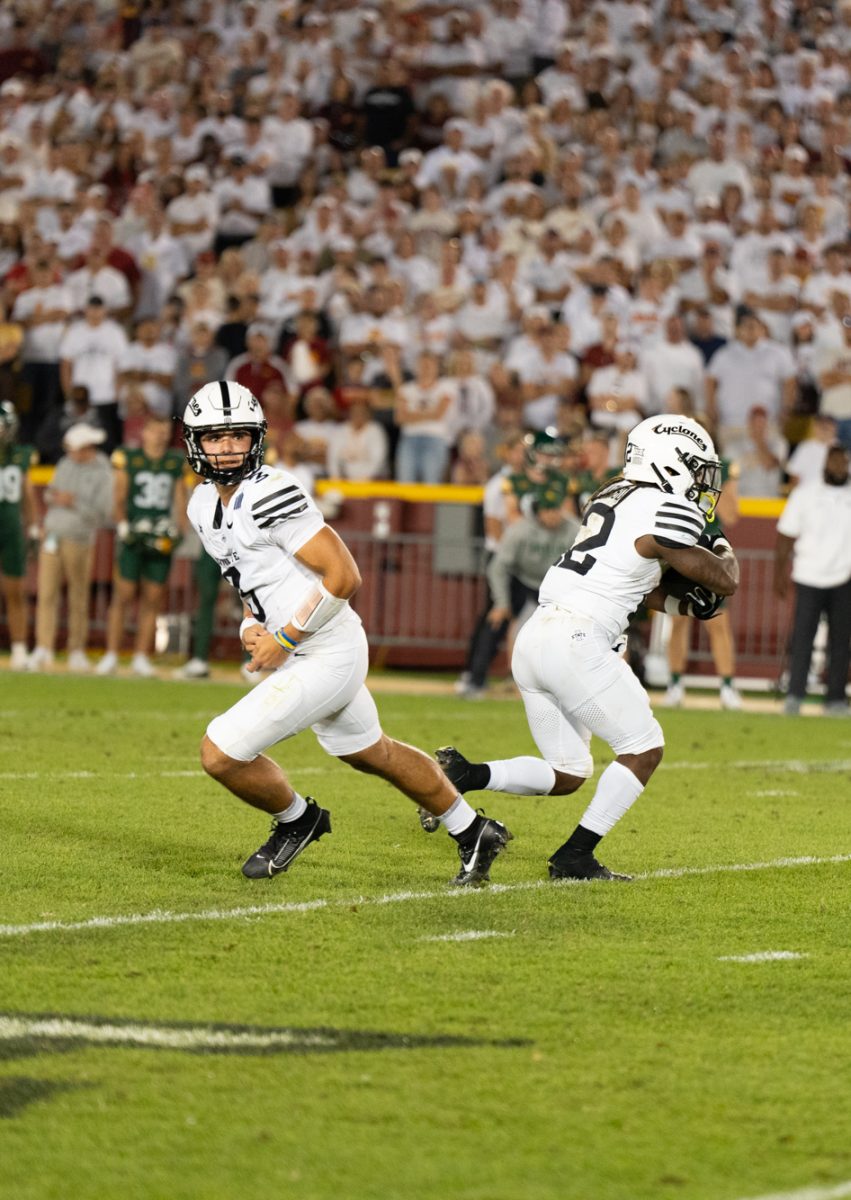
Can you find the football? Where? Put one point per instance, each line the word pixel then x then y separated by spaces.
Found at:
pixel 676 584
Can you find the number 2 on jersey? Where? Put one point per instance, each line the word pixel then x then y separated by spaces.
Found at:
pixel 595 531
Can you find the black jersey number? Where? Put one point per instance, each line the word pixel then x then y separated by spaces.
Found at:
pixel 598 521
pixel 250 598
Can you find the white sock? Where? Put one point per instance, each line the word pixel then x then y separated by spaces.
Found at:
pixel 19 647
pixel 295 810
pixel 524 776
pixel 616 792
pixel 459 817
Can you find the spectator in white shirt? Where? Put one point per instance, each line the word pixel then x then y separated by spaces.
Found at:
pixel 773 295
pixel 475 403
pixel 759 453
pixel 548 377
pixel 43 310
pixel 243 199
pixel 617 395
pixel 833 368
pixel 423 413
pixel 147 369
pixel 748 371
pixel 90 353
pixel 834 276
pixel 193 216
pixel 97 278
pixel 671 362
pixel 358 447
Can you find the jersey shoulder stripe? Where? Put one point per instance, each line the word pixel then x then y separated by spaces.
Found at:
pixel 682 508
pixel 266 501
pixel 274 518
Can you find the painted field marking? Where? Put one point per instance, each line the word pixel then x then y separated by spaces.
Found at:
pixel 165 917
pixel 774 792
pixel 468 935
pixel 194 774
pixel 837 1192
pixel 793 766
pixel 63 1029
pixel 796 766
pixel 762 956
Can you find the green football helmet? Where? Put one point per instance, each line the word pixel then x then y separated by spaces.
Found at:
pixel 9 423
pixel 544 449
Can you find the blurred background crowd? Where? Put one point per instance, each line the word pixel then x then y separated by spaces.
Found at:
pixel 412 228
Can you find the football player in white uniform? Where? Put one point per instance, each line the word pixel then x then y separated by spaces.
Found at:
pixel 295 577
pixel 572 682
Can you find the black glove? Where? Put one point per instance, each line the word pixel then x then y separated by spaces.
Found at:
pixel 714 540
pixel 703 603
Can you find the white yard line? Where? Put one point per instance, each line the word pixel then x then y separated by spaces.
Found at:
pixel 196 774
pixel 794 766
pixel 763 956
pixel 63 1029
pixel 797 766
pixel 468 935
pixel 837 1192
pixel 165 917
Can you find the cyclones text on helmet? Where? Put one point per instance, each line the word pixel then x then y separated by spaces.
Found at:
pixel 223 407
pixel 677 455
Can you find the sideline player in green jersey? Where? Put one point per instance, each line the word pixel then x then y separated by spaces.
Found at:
pixel 150 518
pixel 17 520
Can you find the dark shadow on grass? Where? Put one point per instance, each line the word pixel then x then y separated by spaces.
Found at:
pixel 28 1034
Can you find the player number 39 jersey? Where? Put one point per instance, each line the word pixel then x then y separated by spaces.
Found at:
pixel 255 538
pixel 603 576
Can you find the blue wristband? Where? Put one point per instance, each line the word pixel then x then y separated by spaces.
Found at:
pixel 283 639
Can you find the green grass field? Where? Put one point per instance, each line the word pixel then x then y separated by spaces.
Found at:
pixel 330 1042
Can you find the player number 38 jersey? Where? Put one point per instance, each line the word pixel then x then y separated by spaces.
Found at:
pixel 603 576
pixel 255 538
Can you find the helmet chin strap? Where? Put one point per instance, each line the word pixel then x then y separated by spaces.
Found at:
pixel 664 483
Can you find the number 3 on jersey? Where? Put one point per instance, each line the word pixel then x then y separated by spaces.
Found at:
pixel 594 533
pixel 249 598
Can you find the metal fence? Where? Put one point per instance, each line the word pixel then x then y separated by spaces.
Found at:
pixel 424 593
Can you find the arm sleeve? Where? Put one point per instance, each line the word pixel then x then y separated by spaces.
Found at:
pixel 500 568
pixel 677 522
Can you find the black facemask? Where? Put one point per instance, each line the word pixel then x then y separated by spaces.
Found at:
pixel 836 478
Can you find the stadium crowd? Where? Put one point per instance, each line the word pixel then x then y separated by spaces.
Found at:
pixel 417 231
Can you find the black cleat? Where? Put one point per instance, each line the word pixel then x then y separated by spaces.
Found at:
pixel 581 866
pixel 288 840
pixel 465 776
pixel 477 854
pixel 429 821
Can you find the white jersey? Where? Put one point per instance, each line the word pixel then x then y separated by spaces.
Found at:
pixel 603 576
pixel 255 539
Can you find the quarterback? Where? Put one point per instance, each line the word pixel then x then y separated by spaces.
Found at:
pixel 295 578
pixel 572 681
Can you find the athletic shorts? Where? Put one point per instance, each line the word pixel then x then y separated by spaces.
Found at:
pixel 140 562
pixel 573 684
pixel 13 548
pixel 320 687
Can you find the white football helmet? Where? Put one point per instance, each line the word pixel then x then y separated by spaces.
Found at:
pixel 219 406
pixel 675 454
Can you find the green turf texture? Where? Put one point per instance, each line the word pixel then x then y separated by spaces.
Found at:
pixel 616 1057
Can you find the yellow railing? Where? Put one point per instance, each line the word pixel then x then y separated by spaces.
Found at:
pixel 443 493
